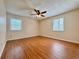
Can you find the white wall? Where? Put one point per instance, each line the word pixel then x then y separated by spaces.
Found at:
pixel 29 28
pixel 71 32
pixel 2 26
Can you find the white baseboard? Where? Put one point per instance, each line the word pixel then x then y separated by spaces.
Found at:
pixel 50 37
pixel 22 37
pixel 62 39
pixel 2 49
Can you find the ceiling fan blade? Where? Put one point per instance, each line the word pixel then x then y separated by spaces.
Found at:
pixel 43 12
pixel 42 15
pixel 38 12
pixel 35 10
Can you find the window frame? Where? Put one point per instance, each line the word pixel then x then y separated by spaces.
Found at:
pixel 58 30
pixel 11 24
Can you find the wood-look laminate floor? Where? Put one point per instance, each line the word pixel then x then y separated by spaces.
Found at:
pixel 40 48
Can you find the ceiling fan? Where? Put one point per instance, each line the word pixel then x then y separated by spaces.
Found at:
pixel 38 13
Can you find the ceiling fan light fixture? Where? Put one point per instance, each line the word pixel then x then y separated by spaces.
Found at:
pixel 38 15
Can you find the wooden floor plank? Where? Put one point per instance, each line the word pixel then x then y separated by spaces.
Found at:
pixel 40 48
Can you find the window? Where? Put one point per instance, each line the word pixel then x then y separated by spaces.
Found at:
pixel 58 24
pixel 2 20
pixel 15 24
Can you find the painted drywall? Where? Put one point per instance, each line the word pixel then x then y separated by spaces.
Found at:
pixel 71 32
pixel 29 27
pixel 2 26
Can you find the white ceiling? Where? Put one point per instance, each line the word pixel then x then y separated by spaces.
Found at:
pixel 53 7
